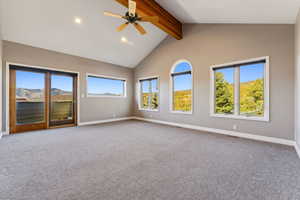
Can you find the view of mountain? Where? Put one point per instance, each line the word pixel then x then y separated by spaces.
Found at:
pixel 37 94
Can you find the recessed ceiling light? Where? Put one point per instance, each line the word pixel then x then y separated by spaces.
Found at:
pixel 78 20
pixel 124 39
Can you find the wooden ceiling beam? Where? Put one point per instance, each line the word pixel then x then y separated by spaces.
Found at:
pixel 167 22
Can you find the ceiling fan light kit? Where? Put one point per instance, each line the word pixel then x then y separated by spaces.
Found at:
pixel 132 18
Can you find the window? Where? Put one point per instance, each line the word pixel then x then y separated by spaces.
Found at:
pixel 240 90
pixel 224 89
pixel 105 87
pixel 149 94
pixel 181 80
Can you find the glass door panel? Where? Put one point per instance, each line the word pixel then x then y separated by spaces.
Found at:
pixel 30 97
pixel 61 99
pixel 40 99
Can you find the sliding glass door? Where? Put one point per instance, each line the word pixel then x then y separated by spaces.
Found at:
pixel 62 106
pixel 41 99
pixel 27 100
pixel 30 97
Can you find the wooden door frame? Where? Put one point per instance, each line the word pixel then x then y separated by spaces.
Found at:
pixel 14 128
pixel 7 86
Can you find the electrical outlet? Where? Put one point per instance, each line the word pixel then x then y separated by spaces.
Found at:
pixel 235 127
pixel 114 115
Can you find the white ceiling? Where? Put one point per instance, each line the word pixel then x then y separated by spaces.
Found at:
pixel 50 24
pixel 233 11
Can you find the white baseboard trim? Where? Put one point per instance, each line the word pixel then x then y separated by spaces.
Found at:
pixel 5 133
pixel 224 132
pixel 105 121
pixel 297 149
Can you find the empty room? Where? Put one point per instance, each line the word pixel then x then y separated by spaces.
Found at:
pixel 149 100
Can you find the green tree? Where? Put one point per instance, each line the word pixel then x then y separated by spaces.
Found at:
pixel 252 98
pixel 224 95
pixel 154 101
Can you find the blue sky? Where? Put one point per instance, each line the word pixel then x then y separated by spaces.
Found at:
pixel 102 86
pixel 146 84
pixel 228 74
pixel 33 80
pixel 182 67
pixel 252 72
pixel 182 82
pixel 247 72
pixel 154 85
pixel 62 82
pixel 30 80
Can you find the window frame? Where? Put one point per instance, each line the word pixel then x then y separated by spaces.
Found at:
pixel 140 93
pixel 105 77
pixel 266 117
pixel 171 89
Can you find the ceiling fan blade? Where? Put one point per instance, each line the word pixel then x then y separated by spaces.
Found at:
pixel 153 19
pixel 122 27
pixel 132 7
pixel 140 29
pixel 113 15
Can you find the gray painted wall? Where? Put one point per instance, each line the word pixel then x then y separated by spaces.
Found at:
pixel 91 109
pixel 297 79
pixel 1 52
pixel 207 44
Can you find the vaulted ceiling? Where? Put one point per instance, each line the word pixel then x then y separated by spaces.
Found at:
pixel 233 11
pixel 50 24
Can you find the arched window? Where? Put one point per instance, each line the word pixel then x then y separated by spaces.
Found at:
pixel 182 87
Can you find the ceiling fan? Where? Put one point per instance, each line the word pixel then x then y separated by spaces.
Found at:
pixel 133 18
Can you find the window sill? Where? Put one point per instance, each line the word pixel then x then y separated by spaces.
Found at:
pixel 181 112
pixel 263 119
pixel 148 110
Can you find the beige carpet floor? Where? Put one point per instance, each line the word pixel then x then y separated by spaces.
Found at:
pixel 135 160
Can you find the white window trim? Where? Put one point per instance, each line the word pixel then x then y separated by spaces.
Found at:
pixel 140 92
pixel 108 77
pixel 172 86
pixel 266 117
